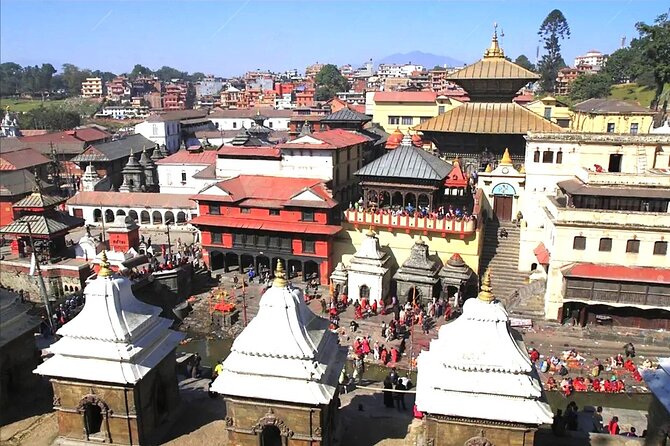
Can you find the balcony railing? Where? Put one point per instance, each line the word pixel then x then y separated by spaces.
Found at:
pixel 462 227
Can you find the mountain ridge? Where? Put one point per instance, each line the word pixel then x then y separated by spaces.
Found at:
pixel 428 60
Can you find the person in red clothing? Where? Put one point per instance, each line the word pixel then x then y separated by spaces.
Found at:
pixel 374 306
pixel 534 355
pixel 384 356
pixel 394 354
pixel 613 426
pixel 447 312
pixel 365 346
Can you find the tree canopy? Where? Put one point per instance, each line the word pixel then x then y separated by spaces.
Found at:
pixel 655 45
pixel 588 86
pixel 523 61
pixel 554 28
pixel 329 81
pixel 50 118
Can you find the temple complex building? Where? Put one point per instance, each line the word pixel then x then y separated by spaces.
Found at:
pixel 280 386
pixel 476 384
pixel 113 368
pixel 18 170
pixel 369 275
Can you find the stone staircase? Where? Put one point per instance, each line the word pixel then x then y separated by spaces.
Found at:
pixel 508 283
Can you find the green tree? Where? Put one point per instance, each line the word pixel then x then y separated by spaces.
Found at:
pixel 194 77
pixel 554 28
pixel 656 51
pixel 139 70
pixel 10 78
pixel 73 77
pixel 524 62
pixel 166 73
pixel 329 81
pixel 49 118
pixel 588 86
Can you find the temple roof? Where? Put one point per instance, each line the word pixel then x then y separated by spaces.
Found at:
pixel 418 267
pixel 489 117
pixel 346 115
pixel 407 162
pixel 39 200
pixel 18 182
pixel 611 106
pixel 456 271
pixel 478 368
pixel 115 338
pixel 113 150
pixel 456 177
pixel 286 353
pixel 46 224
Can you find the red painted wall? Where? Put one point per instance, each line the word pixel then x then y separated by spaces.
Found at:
pixel 6 213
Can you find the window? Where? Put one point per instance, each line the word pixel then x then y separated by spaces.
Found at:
pixel 394 120
pixel 423 119
pixel 633 246
pixel 215 209
pixel 547 112
pixel 615 163
pixel 270 124
pixel 407 120
pixel 559 157
pixel 217 237
pixel 579 243
pixel 245 210
pixel 183 177
pixel 440 109
pixel 536 156
pixel 307 215
pixel 308 246
pixel 565 123
pixel 274 211
pixel 548 157
pixel 605 244
pixel 633 128
pixel 234 124
pixel 660 248
pixel 610 127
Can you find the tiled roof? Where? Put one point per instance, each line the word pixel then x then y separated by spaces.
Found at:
pixel 331 139
pixel 86 134
pixel 65 146
pixel 134 199
pixel 17 182
pixel 407 162
pixel 248 151
pixel 493 68
pixel 265 225
pixel 496 118
pixel 346 115
pixel 113 150
pixel 250 113
pixel 208 173
pixel 44 224
pixel 39 200
pixel 617 273
pixel 177 115
pixel 21 159
pixel 610 106
pixel 205 158
pixel 405 96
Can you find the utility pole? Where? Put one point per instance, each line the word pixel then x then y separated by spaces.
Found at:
pixel 40 279
pixel 102 219
pixel 169 250
pixel 244 302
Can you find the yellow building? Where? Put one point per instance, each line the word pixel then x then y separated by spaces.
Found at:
pixel 92 87
pixel 552 109
pixel 611 116
pixel 405 109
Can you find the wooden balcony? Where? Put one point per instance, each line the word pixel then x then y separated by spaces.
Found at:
pixel 427 225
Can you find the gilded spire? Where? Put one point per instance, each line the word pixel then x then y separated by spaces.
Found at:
pixel 485 293
pixel 506 159
pixel 370 232
pixel 280 276
pixel 494 50
pixel 105 270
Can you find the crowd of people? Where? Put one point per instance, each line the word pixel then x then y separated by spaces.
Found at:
pixel 569 421
pixel 450 212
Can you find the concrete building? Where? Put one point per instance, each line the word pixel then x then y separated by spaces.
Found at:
pixel 237 118
pixel 184 172
pixel 593 59
pixel 172 127
pixel 565 77
pixel 92 87
pixel 406 109
pixel 552 109
pixel 611 116
pixel 209 86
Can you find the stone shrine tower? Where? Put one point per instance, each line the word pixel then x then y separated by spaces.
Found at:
pixel 369 273
pixel 280 381
pixel 113 370
pixel 133 175
pixel 150 172
pixel 476 384
pixel 417 278
pixel 89 179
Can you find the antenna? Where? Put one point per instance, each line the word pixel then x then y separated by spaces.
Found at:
pixel 623 41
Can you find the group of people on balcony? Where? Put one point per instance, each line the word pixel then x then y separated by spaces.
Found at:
pixel 450 212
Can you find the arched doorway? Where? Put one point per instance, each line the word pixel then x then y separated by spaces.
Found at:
pixel 397 199
pixel 92 418
pixel 97 215
pixel 120 212
pixel 271 436
pixel 413 295
pixel 156 218
pixel 169 217
pixel 247 262
pixel 181 217
pixel 311 270
pixel 145 218
pixel 216 260
pixel 109 216
pixel 94 411
pixel 262 264
pixel 232 260
pixel 294 268
pixel 503 201
pixel 410 200
pixel 384 199
pixel 423 201
pixel 133 215
pixel 364 291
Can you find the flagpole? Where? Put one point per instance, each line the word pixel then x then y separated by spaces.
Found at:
pixel 40 279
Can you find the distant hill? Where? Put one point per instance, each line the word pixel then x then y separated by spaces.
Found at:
pixel 428 60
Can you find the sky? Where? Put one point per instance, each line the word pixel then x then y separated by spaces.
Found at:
pixel 227 38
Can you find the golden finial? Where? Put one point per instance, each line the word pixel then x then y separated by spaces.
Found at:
pixel 506 159
pixel 280 276
pixel 105 270
pixel 522 169
pixel 370 232
pixel 485 293
pixel 494 50
pixel 488 169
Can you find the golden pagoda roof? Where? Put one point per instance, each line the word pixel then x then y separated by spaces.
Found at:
pixel 489 117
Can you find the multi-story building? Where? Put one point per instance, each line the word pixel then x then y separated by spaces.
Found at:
pixel 566 76
pixel 611 116
pixel 123 112
pixel 92 87
pixel 552 109
pixel 118 89
pixel 312 70
pixel 593 59
pixel 305 97
pixel 168 128
pixel 209 86
pixel 235 119
pixel 405 109
pixel 596 218
pixel 230 97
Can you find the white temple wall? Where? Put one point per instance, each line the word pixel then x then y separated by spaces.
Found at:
pixel 379 285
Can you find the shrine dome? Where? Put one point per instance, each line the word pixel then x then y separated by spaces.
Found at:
pixel 395 139
pixel 416 140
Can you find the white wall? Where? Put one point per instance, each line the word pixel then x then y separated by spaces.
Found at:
pixel 279 124
pixel 165 132
pixel 170 176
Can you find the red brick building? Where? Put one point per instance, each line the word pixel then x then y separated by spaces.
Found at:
pixel 253 221
pixel 17 172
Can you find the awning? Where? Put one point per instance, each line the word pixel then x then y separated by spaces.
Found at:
pixel 542 254
pixel 617 273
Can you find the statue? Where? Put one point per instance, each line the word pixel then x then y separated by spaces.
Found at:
pixel 9 127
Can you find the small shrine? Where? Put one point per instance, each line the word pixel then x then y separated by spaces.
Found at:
pixel 395 139
pixel 88 246
pixel 339 279
pixel 476 384
pixel 113 368
pixel 501 187
pixel 89 179
pixel 36 216
pixel 9 126
pixel 159 153
pixel 133 175
pixel 150 172
pixel 18 352
pixel 369 274
pixel 123 236
pixel 417 279
pixel 280 381
pixel 456 184
pixel 459 281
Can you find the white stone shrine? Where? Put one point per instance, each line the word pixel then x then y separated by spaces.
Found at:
pixel 369 274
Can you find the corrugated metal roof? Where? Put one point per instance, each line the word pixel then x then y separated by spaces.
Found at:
pixel 610 106
pixel 39 200
pixel 405 96
pixel 45 224
pixel 346 115
pixel 489 117
pixel 617 273
pixel 493 68
pixel 409 162
pixel 17 182
pixel 113 150
pixel 135 199
pixel 21 159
